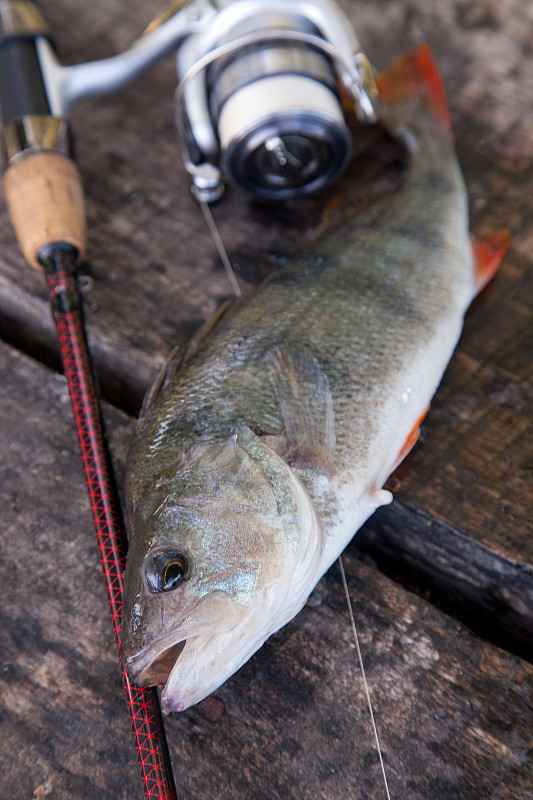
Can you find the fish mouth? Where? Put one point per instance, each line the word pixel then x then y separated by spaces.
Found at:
pixel 156 672
pixel 192 660
pixel 185 656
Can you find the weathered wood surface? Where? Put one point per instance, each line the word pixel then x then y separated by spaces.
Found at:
pixel 152 275
pixel 455 713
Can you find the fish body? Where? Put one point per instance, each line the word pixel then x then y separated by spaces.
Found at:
pixel 266 445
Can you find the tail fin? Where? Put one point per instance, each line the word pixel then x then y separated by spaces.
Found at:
pixel 414 77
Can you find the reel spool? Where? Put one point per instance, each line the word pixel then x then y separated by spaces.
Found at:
pixel 279 121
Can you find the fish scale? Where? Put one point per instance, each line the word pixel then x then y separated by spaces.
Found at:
pixel 265 447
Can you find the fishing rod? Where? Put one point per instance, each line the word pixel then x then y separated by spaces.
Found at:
pixel 44 195
pixel 259 105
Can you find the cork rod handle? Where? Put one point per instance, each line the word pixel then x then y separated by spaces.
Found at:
pixel 45 201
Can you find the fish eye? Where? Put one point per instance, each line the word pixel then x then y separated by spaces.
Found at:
pixel 165 571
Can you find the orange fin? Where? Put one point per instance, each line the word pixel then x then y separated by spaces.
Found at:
pixel 415 76
pixel 411 440
pixel 489 250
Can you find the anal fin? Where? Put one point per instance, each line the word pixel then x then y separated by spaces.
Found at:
pixel 489 250
pixel 411 440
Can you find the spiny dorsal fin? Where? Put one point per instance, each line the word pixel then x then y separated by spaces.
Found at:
pixel 305 404
pixel 178 357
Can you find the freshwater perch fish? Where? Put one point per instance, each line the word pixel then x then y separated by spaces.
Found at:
pixel 265 445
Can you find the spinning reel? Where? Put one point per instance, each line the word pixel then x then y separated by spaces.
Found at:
pixel 258 102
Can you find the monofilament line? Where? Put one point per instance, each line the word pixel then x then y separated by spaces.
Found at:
pixel 369 701
pixel 213 230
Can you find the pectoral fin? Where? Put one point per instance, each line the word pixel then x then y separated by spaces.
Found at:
pixel 305 404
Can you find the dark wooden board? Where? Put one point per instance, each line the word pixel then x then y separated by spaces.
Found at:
pixel 455 713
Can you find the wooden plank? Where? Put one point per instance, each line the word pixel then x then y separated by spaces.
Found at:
pixel 455 713
pixel 62 719
pixel 492 595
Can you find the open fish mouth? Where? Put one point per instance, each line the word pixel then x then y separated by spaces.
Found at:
pixel 153 665
pixel 192 654
pixel 156 673
pixel 190 669
pixel 194 658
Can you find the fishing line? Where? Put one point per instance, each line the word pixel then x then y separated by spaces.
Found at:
pixel 219 244
pixel 360 657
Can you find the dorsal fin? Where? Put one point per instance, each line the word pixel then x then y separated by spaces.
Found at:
pixel 179 356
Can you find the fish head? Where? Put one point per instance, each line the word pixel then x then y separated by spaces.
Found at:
pixel 227 557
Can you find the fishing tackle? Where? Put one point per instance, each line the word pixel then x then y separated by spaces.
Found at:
pixel 258 102
pixel 243 68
